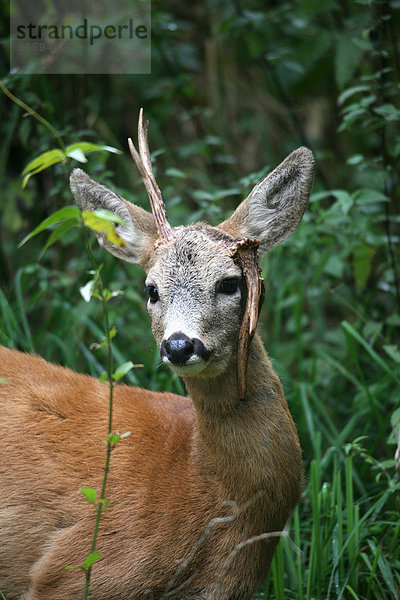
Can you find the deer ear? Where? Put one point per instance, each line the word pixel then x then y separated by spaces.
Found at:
pixel 276 204
pixel 139 231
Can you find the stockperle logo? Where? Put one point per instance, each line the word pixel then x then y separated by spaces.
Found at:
pixel 81 37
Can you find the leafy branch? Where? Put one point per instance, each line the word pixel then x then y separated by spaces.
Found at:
pixel 53 156
pixel 33 113
pixel 104 295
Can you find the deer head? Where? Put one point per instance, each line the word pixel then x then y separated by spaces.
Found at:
pixel 203 283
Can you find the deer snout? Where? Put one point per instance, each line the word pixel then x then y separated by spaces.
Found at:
pixel 180 350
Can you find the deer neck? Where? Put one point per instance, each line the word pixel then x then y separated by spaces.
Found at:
pixel 245 442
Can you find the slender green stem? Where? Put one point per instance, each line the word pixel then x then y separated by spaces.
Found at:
pixel 339 516
pixel 315 550
pixel 110 368
pixel 373 570
pixel 350 515
pixel 297 541
pixel 33 113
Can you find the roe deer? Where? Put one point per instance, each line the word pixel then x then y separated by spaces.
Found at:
pixel 201 481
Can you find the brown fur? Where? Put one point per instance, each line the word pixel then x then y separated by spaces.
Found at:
pixel 197 480
pixel 168 480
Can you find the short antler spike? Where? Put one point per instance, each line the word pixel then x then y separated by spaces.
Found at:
pixel 143 163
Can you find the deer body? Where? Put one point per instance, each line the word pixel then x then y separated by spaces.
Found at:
pixel 200 481
pixel 168 480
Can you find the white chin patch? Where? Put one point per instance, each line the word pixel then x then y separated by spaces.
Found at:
pixel 193 366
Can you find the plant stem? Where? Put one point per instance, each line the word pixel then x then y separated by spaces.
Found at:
pixel 100 505
pixel 33 113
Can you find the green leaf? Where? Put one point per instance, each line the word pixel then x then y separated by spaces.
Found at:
pixel 388 111
pixel 58 233
pixel 369 196
pixel 334 266
pixel 350 92
pixel 78 155
pixel 372 330
pixel 90 147
pixel 44 160
pixel 68 212
pixel 175 173
pixel 346 59
pixel 108 216
pixel 91 559
pixel 356 159
pixel 393 351
pixel 349 329
pixel 393 320
pixel 108 294
pixel 86 291
pixel 90 494
pixel 362 259
pixel 113 438
pixel 103 223
pixel 344 200
pixel 202 195
pixel 122 370
pixel 226 193
pixel 395 423
pixel 87 563
pixel 41 162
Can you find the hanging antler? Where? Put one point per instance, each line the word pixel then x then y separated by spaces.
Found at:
pixel 143 163
pixel 244 253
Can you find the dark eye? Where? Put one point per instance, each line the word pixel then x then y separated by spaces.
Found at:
pixel 228 286
pixel 151 290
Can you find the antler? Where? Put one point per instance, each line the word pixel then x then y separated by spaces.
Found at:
pixel 244 253
pixel 143 163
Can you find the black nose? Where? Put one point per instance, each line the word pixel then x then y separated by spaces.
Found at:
pixel 178 348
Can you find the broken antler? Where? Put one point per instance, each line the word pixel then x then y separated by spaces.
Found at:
pixel 244 253
pixel 143 163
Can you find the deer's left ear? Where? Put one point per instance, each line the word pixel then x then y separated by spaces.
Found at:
pixel 139 230
pixel 276 204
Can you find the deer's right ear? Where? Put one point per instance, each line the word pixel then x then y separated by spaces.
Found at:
pixel 139 231
pixel 276 204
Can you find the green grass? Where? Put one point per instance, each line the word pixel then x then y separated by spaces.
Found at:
pixel 343 547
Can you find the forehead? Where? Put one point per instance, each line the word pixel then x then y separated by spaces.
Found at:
pixel 199 250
